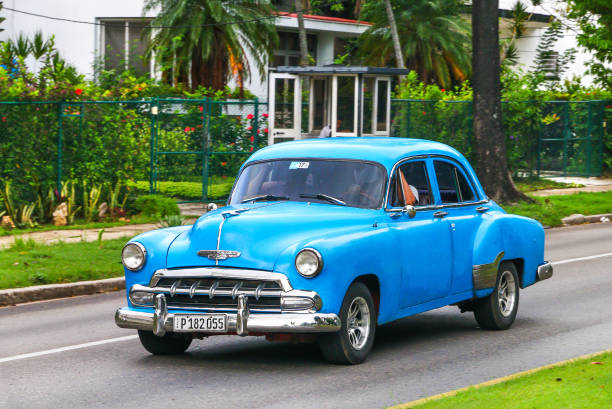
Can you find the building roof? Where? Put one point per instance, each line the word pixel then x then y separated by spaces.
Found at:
pixel 341 69
pixel 326 18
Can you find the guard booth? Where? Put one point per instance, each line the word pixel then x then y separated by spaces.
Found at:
pixel 311 102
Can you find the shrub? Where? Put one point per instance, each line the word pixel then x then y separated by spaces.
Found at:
pixel 156 205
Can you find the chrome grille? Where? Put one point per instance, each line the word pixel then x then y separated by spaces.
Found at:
pixel 219 293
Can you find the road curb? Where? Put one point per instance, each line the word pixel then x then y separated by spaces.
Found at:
pixel 494 381
pixel 51 291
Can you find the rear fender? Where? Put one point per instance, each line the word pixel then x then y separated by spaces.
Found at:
pixel 506 237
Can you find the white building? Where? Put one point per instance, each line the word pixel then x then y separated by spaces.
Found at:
pixel 110 32
pixel 535 28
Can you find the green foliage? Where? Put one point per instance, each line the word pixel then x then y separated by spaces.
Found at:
pixel 1 18
pixel 20 215
pixel 529 111
pixel 595 20
pixel 435 40
pixel 91 198
pixel 171 220
pixel 156 205
pixel 194 38
pixel 548 63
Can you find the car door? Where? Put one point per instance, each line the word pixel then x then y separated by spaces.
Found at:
pixel 423 240
pixel 458 209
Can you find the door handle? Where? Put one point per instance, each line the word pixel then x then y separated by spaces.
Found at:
pixel 279 133
pixel 440 214
pixel 482 209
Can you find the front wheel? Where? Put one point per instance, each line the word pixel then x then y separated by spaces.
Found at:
pixel 498 310
pixel 352 344
pixel 170 344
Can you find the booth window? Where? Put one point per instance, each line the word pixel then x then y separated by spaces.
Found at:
pixel 381 106
pixel 345 120
pixel 284 90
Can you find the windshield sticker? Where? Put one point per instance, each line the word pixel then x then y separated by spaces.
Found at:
pixel 299 165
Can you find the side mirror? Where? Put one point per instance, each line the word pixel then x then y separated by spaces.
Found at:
pixel 409 210
pixel 210 207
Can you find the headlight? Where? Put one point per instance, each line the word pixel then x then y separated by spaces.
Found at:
pixel 308 263
pixel 133 256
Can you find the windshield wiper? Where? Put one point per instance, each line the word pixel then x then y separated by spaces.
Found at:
pixel 321 196
pixel 264 198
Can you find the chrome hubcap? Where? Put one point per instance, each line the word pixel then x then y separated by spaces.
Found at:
pixel 506 293
pixel 358 322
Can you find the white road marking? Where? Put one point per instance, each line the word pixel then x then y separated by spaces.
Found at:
pixel 68 348
pixel 571 260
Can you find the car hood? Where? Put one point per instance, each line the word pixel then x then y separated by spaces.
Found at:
pixel 261 231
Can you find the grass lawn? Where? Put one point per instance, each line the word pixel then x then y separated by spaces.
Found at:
pixel 585 383
pixel 27 263
pixel 535 183
pixel 81 224
pixel 551 209
pixel 188 190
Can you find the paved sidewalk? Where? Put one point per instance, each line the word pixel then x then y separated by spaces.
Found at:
pixel 590 185
pixel 71 236
pixel 189 210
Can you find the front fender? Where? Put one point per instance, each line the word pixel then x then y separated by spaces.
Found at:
pixel 156 243
pixel 346 256
pixel 520 238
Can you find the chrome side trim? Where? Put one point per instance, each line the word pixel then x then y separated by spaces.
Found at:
pixel 545 271
pixel 273 323
pixel 229 273
pixel 485 275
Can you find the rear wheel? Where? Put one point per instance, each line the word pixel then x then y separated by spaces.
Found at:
pixel 352 344
pixel 498 310
pixel 170 344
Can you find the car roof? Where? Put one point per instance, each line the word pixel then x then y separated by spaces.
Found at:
pixel 384 150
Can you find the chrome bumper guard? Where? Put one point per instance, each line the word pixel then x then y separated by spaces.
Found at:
pixel 545 271
pixel 242 322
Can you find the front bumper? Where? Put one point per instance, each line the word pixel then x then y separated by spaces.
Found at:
pixel 241 322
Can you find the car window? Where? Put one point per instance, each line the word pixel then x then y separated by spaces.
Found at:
pixel 452 184
pixel 354 183
pixel 410 185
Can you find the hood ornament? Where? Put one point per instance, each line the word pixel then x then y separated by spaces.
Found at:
pixel 218 254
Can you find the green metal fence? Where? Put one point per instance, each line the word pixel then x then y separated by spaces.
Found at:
pixel 151 142
pixel 548 138
pixel 203 142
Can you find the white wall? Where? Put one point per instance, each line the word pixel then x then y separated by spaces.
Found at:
pixel 76 42
pixel 527 46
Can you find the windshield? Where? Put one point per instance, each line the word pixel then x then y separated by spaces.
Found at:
pixel 336 182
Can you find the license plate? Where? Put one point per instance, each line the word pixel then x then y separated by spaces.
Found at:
pixel 200 322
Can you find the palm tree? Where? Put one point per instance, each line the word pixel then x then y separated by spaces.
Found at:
pixel 435 41
pixel 212 39
pixel 302 31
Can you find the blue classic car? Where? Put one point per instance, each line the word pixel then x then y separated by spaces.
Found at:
pixel 324 239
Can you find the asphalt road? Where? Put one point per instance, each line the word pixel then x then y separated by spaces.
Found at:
pixel 566 316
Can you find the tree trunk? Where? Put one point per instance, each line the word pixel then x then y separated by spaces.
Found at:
pixel 301 34
pixel 489 139
pixel 397 47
